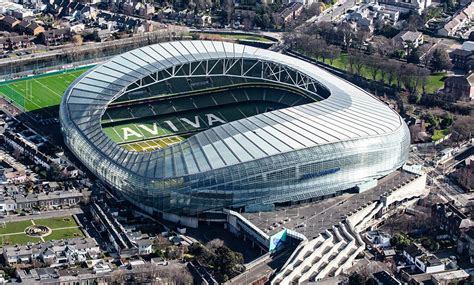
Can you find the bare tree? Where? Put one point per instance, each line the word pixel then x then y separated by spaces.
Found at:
pixel 383 46
pixel 426 54
pixel 463 127
pixel 374 64
pixel 215 243
pixel 356 62
pixel 332 53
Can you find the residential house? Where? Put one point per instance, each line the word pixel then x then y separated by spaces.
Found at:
pixel 56 36
pixel 17 254
pixel 49 200
pixel 69 251
pixel 9 23
pixel 418 132
pixel 202 20
pixel 429 263
pixel 15 41
pixel 14 9
pixel 465 175
pixel 407 5
pixel 144 9
pixel 7 204
pixel 466 244
pixel 288 14
pixel 84 12
pixel 438 278
pixel 449 277
pixel 385 278
pixel 411 252
pixel 469 11
pixel 462 59
pixel 409 40
pixel 451 219
pixel 363 19
pixel 420 258
pixel 29 27
pixel 145 246
pixel 459 88
pixel 460 20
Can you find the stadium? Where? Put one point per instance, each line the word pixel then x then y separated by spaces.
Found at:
pixel 188 128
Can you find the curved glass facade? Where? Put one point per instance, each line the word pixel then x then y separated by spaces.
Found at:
pixel 292 154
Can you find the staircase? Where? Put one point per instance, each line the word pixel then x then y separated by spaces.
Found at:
pixel 327 255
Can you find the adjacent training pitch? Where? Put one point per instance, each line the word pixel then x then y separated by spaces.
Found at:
pixel 38 92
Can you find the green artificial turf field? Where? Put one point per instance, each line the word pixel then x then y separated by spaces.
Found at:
pixel 38 92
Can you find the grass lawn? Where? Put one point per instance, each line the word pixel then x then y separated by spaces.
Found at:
pixel 239 37
pixel 435 81
pixel 246 37
pixel 17 239
pixel 39 92
pixel 62 228
pixel 64 234
pixel 439 134
pixel 57 222
pixel 14 227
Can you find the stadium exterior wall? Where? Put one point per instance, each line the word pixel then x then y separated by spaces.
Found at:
pixel 300 174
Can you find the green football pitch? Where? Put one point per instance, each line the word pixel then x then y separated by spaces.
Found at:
pixel 38 92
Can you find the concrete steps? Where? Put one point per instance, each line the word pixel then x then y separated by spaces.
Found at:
pixel 327 255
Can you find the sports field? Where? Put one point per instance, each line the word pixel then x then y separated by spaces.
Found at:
pixel 38 92
pixel 61 228
pixel 161 131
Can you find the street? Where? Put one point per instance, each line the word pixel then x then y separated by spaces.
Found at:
pixel 333 12
pixel 43 215
pixel 438 177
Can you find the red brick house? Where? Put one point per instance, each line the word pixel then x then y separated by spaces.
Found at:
pixel 459 88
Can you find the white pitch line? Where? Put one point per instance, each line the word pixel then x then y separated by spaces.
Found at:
pixel 45 86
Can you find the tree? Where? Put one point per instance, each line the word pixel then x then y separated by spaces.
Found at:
pixel 77 40
pixel 390 69
pixel 463 127
pixel 356 279
pixel 400 241
pixel 440 60
pixel 448 5
pixel 414 57
pixel 263 21
pixel 332 53
pixel 356 62
pixel 226 263
pixel 215 243
pixel 222 261
pixel 313 10
pixel 371 281
pixel 414 22
pixel 426 54
pixel 161 243
pixel 374 64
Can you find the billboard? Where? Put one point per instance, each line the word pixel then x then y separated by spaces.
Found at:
pixel 277 240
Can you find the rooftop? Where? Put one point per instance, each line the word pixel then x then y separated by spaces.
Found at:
pixel 311 219
pixel 385 278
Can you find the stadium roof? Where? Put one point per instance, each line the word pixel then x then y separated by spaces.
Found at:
pixel 348 113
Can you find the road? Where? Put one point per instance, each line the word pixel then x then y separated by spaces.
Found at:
pixel 333 12
pixel 264 269
pixel 43 215
pixel 444 187
pixel 459 158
